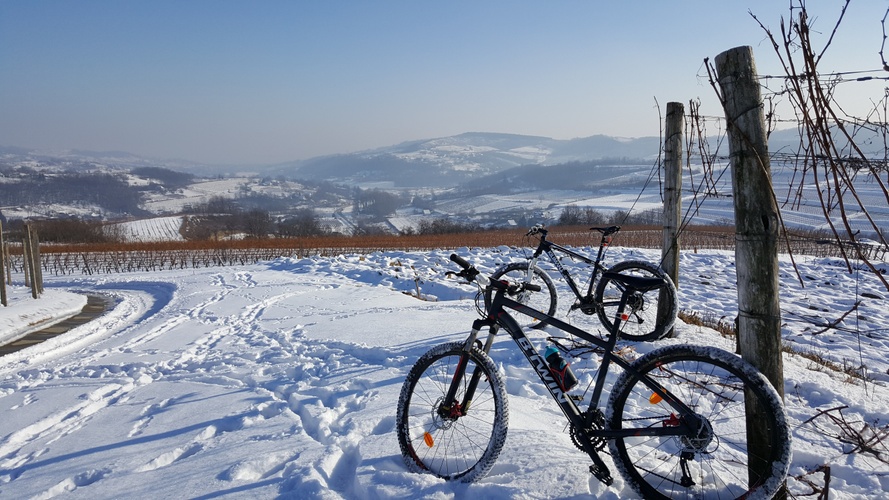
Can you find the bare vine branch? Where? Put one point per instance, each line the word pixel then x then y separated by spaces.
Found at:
pixel 829 159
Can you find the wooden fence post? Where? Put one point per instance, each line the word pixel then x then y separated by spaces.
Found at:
pixel 25 252
pixel 3 265
pixel 5 251
pixel 673 154
pixel 38 265
pixel 29 264
pixel 756 225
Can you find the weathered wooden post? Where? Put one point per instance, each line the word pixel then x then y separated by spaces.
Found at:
pixel 3 265
pixel 673 154
pixel 5 251
pixel 38 265
pixel 30 263
pixel 756 226
pixel 26 252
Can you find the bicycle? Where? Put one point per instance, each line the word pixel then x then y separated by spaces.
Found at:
pixel 674 422
pixel 652 314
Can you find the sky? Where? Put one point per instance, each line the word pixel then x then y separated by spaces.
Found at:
pixel 238 82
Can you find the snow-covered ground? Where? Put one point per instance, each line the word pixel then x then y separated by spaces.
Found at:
pixel 280 379
pixel 24 315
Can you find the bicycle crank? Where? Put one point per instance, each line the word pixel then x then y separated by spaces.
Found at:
pixel 586 306
pixel 594 420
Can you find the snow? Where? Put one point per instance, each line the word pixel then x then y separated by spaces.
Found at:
pixel 153 229
pixel 25 315
pixel 280 379
pixel 195 194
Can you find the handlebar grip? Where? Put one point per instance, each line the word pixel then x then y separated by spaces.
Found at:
pixel 460 261
pixel 533 288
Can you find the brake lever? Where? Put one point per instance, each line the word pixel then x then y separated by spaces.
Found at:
pixel 469 275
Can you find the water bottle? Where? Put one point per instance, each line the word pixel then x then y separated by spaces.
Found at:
pixel 560 368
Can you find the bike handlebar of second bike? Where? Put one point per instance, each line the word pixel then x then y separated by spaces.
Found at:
pixel 472 274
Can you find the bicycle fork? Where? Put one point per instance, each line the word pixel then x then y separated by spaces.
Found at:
pixel 450 409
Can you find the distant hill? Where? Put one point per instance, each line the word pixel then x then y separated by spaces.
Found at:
pixel 435 163
pixel 79 160
pixel 486 179
pixel 450 161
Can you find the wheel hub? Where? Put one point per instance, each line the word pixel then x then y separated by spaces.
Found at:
pixel 699 441
pixel 636 302
pixel 443 417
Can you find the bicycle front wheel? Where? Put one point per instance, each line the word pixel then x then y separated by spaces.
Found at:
pixel 461 442
pixel 720 458
pixel 650 314
pixel 544 301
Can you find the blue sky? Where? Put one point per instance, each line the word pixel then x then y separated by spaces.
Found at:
pixel 238 82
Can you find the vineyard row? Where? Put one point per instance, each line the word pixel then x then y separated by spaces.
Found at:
pixel 147 257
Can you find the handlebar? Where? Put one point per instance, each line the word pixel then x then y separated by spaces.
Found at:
pixel 460 261
pixel 606 231
pixel 470 273
pixel 537 228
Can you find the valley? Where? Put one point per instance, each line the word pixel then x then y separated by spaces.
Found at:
pixel 473 181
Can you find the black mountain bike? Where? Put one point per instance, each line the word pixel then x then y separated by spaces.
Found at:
pixel 651 313
pixel 675 422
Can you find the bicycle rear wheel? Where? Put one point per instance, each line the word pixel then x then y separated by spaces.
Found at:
pixel 460 443
pixel 544 301
pixel 719 460
pixel 651 314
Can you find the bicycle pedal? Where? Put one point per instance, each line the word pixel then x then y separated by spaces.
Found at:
pixel 602 475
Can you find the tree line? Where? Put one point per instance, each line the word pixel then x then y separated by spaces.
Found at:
pixel 573 215
pixel 220 217
pixel 110 192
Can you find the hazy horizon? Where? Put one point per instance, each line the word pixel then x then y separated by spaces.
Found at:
pixel 233 82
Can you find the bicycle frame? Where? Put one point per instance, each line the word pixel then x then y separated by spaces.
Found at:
pixel 549 248
pixel 498 317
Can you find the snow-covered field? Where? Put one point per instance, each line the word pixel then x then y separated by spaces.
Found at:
pixel 280 379
pixel 152 230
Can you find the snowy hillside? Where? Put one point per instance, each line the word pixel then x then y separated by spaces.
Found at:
pixel 148 230
pixel 486 179
pixel 448 161
pixel 280 380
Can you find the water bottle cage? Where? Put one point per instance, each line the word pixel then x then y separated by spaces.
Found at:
pixel 562 377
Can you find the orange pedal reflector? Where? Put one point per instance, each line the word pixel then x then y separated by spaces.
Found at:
pixel 655 399
pixel 427 438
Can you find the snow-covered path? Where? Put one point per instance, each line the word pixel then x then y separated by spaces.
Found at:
pixel 280 380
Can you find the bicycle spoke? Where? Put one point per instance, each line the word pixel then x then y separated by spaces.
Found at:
pixel 714 460
pixel 452 442
pixel 650 314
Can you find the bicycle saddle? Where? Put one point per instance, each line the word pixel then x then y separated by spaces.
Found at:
pixel 638 283
pixel 606 230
